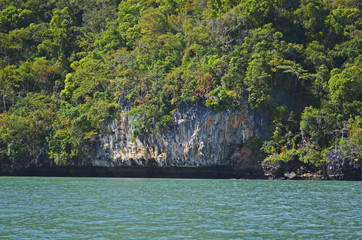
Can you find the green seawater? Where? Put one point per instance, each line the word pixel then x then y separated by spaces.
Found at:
pixel 118 208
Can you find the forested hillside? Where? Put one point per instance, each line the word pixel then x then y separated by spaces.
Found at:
pixel 67 66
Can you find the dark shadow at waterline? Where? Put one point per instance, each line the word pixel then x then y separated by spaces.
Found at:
pixel 128 172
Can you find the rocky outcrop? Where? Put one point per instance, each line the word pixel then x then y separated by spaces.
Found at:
pixel 201 143
pixel 337 167
pixel 200 137
pixel 291 170
pixel 246 164
pixel 340 167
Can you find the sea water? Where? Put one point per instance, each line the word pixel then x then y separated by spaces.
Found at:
pixel 119 208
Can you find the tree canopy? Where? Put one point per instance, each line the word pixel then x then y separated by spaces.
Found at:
pixel 66 66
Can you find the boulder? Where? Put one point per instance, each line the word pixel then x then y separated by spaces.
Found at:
pixel 290 175
pixel 245 165
pixel 340 167
pixel 274 170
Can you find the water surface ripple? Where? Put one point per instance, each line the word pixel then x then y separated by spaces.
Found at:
pixel 118 208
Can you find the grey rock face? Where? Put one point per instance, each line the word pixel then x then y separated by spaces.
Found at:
pixel 342 168
pixel 200 137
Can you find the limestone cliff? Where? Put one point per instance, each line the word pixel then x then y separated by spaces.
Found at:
pixel 200 137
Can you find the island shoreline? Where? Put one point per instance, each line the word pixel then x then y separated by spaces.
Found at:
pixel 220 172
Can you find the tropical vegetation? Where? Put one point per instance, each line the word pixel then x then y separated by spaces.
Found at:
pixel 68 66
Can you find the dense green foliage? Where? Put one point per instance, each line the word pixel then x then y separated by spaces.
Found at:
pixel 66 66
